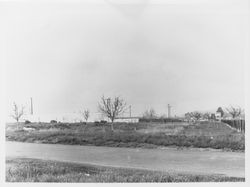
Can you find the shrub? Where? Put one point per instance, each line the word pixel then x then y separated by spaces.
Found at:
pixel 97 122
pixel 27 122
pixel 53 121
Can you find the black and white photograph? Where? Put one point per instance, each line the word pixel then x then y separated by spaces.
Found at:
pixel 124 91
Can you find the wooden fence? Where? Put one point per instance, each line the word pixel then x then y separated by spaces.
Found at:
pixel 236 124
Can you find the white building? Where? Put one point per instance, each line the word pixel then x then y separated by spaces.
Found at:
pixel 218 115
pixel 127 119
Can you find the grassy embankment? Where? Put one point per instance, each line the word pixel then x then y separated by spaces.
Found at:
pixel 34 170
pixel 201 135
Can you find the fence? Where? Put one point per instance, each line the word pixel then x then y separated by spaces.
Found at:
pixel 236 124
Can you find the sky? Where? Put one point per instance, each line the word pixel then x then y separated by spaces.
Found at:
pixel 67 54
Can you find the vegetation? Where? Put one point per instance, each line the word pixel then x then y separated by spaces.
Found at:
pixel 17 112
pixel 236 124
pixel 111 108
pixel 201 135
pixel 34 170
pixel 85 113
pixel 27 122
pixel 194 115
pixel 149 114
pixel 234 111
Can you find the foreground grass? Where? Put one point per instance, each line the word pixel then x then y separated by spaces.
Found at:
pixel 204 135
pixel 34 170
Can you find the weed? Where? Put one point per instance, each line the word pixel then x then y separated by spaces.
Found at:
pixel 35 170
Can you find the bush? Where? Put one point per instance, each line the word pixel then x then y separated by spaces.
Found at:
pixel 53 121
pixel 27 122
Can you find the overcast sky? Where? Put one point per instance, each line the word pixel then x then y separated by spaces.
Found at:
pixel 66 55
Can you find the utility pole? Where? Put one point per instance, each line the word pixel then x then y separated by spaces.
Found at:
pixel 130 111
pixel 169 111
pixel 31 106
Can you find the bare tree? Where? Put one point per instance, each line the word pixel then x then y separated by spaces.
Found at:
pixel 149 114
pixel 17 112
pixel 193 115
pixel 111 108
pixel 206 115
pixel 234 111
pixel 188 116
pixel 86 114
pixel 196 115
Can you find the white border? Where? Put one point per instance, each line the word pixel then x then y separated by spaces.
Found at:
pixel 247 112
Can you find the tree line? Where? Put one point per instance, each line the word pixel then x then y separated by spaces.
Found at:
pixel 114 107
pixel 234 112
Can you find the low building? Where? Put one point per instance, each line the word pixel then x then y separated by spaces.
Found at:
pixel 127 119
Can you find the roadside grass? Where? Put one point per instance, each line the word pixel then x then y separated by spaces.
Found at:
pixel 203 135
pixel 35 170
pixel 208 129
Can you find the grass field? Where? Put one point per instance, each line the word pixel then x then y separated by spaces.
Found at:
pixel 34 170
pixel 150 135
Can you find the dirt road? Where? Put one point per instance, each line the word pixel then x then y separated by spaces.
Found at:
pixel 190 161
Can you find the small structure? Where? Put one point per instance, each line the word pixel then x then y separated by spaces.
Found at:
pixel 127 119
pixel 219 114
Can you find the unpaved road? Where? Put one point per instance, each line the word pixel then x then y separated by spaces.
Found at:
pixel 190 161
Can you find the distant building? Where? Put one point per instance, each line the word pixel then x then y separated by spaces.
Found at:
pixel 219 113
pixel 218 116
pixel 127 119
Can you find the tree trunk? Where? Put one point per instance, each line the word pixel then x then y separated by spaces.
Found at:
pixel 17 121
pixel 84 129
pixel 103 129
pixel 112 126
